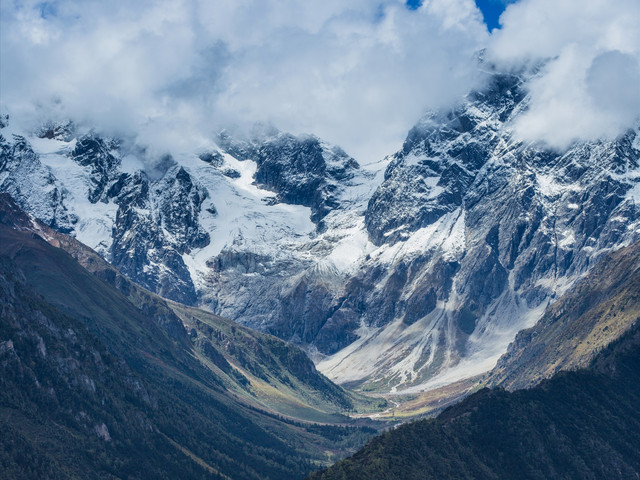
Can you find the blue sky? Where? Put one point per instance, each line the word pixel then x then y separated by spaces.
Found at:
pixel 491 10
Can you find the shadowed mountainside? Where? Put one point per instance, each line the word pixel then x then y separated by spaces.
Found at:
pixel 107 382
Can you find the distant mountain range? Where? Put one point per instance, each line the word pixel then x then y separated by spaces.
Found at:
pixel 402 275
pixel 134 287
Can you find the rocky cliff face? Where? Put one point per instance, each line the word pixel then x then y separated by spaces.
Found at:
pixel 141 224
pixel 412 272
pixel 300 170
pixel 28 181
pixel 155 224
pixel 597 311
pixel 491 231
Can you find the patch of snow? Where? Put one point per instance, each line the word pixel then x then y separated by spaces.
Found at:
pixel 548 186
pixel 350 249
pixel 446 234
pixel 45 146
pixel 432 185
pixel 568 240
pixel 95 220
pixel 455 243
pixel 242 220
pixel 412 159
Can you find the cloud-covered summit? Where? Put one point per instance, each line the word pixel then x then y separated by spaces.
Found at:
pixel 589 87
pixel 356 73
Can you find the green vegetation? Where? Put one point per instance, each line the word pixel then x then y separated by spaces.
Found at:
pixel 268 372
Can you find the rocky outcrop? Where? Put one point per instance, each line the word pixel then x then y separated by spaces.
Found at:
pixel 301 170
pixel 96 153
pixel 154 221
pixel 32 185
pixel 439 161
pixel 497 230
pixel 155 224
pixel 597 311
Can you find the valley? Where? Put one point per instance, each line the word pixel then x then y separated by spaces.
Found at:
pixel 93 363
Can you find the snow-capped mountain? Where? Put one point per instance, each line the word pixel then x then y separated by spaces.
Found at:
pixel 477 233
pixel 411 272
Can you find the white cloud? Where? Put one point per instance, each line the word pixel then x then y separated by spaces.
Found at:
pixel 357 73
pixel 589 87
pixel 358 81
pixel 613 84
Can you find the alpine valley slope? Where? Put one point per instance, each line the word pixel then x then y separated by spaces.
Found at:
pixel 401 275
pixel 583 423
pixel 103 379
pixel 595 312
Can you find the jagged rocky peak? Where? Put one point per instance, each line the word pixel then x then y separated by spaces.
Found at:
pixel 180 200
pixel 527 209
pixel 493 229
pixel 142 220
pixel 57 130
pixel 101 155
pixel 301 170
pixel 32 184
pixel 439 161
pixel 156 222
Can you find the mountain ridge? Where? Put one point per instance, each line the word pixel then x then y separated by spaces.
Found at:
pixel 83 320
pixel 403 275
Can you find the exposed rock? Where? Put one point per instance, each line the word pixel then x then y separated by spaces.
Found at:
pixel 301 170
pixel 32 185
pixel 429 261
pixel 63 131
pixel 96 153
